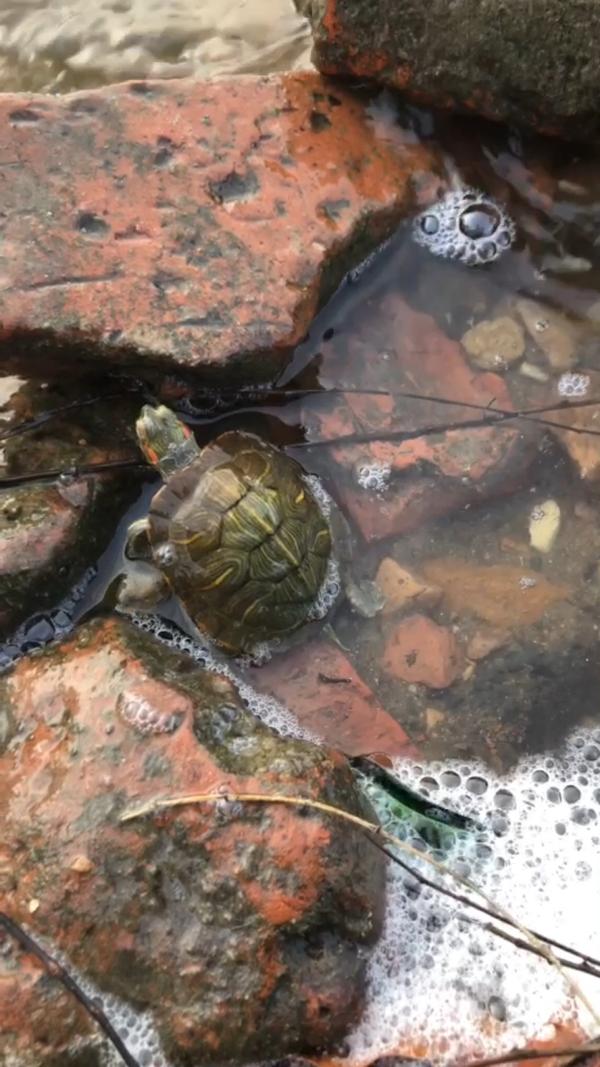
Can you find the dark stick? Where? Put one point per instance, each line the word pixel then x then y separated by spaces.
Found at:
pixel 534 1054
pixel 47 416
pixel 519 942
pixel 74 473
pixel 56 970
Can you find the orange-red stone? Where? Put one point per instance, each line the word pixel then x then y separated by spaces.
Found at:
pixel 188 225
pixel 239 926
pixel 418 650
pixel 329 698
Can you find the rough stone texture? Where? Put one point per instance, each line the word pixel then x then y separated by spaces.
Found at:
pixel 418 650
pixel 188 225
pixel 535 64
pixel 243 928
pixel 329 698
pixel 50 532
pixel 421 477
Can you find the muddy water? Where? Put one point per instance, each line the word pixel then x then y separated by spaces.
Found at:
pixel 58 45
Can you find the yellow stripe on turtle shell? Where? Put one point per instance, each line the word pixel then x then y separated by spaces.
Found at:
pixel 294 559
pixel 298 499
pixel 219 579
pixel 253 513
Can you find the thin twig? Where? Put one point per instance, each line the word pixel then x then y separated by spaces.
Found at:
pixel 56 970
pixel 518 942
pixel 589 965
pixel 517 1054
pixel 153 806
pixel 46 416
pixel 72 473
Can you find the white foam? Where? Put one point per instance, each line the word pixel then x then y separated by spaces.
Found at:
pixel 466 225
pixel 374 476
pixel 441 980
pixel 573 385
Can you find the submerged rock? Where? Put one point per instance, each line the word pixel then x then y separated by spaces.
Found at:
pixel 553 333
pixel 243 929
pixel 422 477
pixel 189 224
pixel 494 344
pixel 418 650
pixel 331 700
pixel 502 595
pixel 402 588
pixel 472 56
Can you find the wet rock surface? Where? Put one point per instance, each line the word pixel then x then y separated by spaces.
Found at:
pixel 51 531
pixel 473 57
pixel 243 929
pixel 161 252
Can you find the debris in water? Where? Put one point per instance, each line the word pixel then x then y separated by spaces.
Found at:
pixel 573 385
pixel 544 524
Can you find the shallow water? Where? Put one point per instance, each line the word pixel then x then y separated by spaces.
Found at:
pixel 531 706
pixel 59 45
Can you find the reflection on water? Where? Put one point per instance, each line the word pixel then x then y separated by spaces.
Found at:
pixel 59 45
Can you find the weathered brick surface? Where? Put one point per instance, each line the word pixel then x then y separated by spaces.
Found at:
pixel 188 224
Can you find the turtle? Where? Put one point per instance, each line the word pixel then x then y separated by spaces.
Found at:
pixel 237 534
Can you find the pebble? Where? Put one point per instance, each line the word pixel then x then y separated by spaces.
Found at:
pixel 433 719
pixel 402 588
pixel 418 650
pixel 82 864
pixel 484 642
pixel 553 333
pixel 531 370
pixel 544 524
pixel 494 344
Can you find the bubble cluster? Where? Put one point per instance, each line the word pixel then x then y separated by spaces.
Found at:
pixel 319 492
pixel 328 593
pixel 466 225
pixel 436 979
pixel 374 476
pixel 145 717
pixel 43 627
pixel 573 385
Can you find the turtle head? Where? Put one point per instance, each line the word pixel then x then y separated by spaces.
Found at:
pixel 167 443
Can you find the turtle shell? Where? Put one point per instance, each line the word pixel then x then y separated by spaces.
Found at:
pixel 242 541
